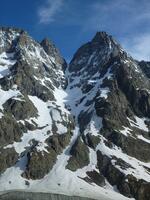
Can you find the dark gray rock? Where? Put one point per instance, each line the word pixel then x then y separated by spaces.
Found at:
pixel 10 130
pixel 8 158
pixel 20 109
pixel 96 178
pixel 79 156
pixel 51 50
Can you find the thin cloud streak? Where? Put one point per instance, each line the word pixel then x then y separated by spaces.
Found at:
pixel 48 12
pixel 117 15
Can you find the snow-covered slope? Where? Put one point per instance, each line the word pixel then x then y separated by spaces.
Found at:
pixel 110 101
pixel 82 132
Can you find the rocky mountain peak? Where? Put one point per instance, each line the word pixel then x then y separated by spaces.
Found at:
pixel 48 46
pixel 101 50
pixel 112 102
pixel 101 37
pixel 51 50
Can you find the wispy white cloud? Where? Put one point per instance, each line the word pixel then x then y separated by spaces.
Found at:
pixel 126 19
pixel 49 10
pixel 117 15
pixel 139 47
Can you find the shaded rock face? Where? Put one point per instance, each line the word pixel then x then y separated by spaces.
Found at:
pixel 10 130
pixel 8 158
pixel 51 50
pixel 79 156
pixel 96 178
pixel 39 164
pixel 21 110
pixel 89 125
pixel 140 188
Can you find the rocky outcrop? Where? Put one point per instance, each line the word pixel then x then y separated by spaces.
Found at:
pixel 8 158
pixel 10 130
pixel 20 109
pixel 95 177
pixel 40 163
pixel 79 156
pixel 51 50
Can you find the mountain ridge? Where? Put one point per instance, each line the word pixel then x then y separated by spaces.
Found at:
pixel 81 129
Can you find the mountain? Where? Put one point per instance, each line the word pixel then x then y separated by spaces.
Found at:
pixel 80 129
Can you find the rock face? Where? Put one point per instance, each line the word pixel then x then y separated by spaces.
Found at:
pixel 79 156
pixel 74 129
pixel 51 50
pixel 31 76
pixel 113 99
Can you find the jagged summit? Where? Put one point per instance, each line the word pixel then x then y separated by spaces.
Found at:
pixel 51 50
pixel 102 38
pixel 102 48
pixel 48 45
pixel 47 42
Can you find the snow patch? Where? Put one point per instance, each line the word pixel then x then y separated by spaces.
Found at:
pixel 139 123
pixel 137 168
pixel 6 61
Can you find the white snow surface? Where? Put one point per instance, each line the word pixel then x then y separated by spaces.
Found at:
pixel 59 180
pixel 126 131
pixel 139 123
pixel 6 61
pixel 44 122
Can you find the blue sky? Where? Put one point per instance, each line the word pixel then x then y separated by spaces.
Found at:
pixel 70 23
